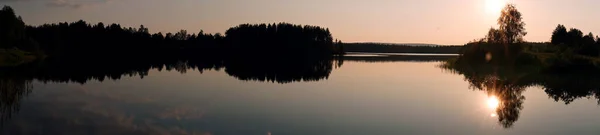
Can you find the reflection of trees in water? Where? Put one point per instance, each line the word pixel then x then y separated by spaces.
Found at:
pixel 280 70
pixel 569 87
pixel 507 75
pixel 11 93
pixel 506 82
pixel 13 89
pixel 509 95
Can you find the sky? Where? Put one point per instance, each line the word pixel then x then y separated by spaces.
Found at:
pixel 446 22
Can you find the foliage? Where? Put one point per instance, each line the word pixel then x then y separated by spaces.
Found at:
pixel 511 27
pixel 280 39
pixel 560 35
pixel 575 42
pixel 12 32
pixel 83 39
pixel 511 24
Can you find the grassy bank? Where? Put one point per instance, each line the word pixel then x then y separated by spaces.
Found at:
pixel 15 57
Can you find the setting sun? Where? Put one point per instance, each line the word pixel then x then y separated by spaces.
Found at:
pixel 494 6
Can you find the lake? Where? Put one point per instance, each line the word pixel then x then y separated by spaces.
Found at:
pixel 364 95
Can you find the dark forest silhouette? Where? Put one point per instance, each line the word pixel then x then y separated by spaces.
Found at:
pixel 82 41
pixel 573 41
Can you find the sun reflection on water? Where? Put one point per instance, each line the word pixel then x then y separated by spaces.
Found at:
pixel 493 102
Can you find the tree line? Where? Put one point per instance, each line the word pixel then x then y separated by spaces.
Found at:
pixel 574 40
pixel 399 48
pixel 82 39
pixel 281 39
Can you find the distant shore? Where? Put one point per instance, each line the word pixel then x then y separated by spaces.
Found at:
pixel 402 48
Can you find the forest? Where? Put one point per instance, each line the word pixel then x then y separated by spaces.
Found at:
pixel 82 41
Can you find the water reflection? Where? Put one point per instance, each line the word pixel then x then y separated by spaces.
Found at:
pixel 281 70
pixel 267 69
pixel 272 70
pixel 365 57
pixel 504 98
pixel 68 111
pixel 11 93
pixel 507 74
pixel 510 101
pixel 16 84
pixel 493 102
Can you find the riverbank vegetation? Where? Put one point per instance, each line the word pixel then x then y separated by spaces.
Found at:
pixel 14 57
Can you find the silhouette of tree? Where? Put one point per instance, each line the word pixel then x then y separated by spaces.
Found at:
pixel 12 31
pixel 589 39
pixel 495 36
pixel 574 40
pixel 511 24
pixel 560 35
pixel 575 37
pixel 511 28
pixel 181 35
pixel 82 41
pixel 279 39
pixel 589 48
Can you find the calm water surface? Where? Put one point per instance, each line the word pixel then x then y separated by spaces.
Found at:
pixel 358 98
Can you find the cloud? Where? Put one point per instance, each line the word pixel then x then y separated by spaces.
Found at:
pixel 63 3
pixel 66 3
pixel 12 0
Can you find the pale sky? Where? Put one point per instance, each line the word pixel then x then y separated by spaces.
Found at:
pixel 394 21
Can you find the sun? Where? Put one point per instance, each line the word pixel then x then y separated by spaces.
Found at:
pixel 494 6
